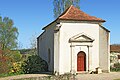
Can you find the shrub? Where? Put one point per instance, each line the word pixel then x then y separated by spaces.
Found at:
pixel 16 68
pixel 10 62
pixel 4 64
pixel 34 64
pixel 116 67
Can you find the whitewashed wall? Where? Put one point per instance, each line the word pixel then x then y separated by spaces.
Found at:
pixel 59 45
pixel 69 30
pixel 104 54
pixel 46 41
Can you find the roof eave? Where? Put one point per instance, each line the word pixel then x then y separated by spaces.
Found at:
pixel 50 24
pixel 83 20
pixel 104 28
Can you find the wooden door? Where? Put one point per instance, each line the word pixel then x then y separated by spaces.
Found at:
pixel 81 61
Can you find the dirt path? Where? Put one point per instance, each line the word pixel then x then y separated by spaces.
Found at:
pixel 23 76
pixel 102 76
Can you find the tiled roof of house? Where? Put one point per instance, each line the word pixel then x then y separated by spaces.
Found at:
pixel 73 13
pixel 114 48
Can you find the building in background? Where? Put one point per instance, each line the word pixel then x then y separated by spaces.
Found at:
pixel 114 54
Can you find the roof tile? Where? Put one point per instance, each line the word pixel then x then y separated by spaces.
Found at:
pixel 73 13
pixel 115 48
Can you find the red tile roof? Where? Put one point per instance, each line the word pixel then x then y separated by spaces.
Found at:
pixel 73 13
pixel 114 48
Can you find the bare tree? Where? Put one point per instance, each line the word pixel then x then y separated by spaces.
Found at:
pixel 61 5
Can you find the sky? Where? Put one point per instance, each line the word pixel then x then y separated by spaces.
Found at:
pixel 30 16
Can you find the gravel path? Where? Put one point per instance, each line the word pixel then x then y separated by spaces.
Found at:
pixel 102 76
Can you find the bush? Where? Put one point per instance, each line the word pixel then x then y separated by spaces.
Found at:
pixel 16 68
pixel 4 64
pixel 34 64
pixel 10 62
pixel 116 67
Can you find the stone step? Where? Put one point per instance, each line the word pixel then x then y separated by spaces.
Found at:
pixel 83 72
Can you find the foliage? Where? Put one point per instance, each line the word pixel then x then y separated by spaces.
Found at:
pixel 4 64
pixel 33 41
pixel 8 60
pixel 33 45
pixel 34 64
pixel 61 5
pixel 113 58
pixel 15 56
pixel 28 51
pixel 116 67
pixel 9 74
pixel 8 34
pixel 17 68
pixel 8 42
pixel 32 51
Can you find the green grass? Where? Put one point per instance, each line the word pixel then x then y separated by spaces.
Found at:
pixel 8 74
pixel 28 79
pixel 51 77
pixel 116 79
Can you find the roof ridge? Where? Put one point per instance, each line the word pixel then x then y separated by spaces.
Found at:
pixel 73 13
pixel 67 10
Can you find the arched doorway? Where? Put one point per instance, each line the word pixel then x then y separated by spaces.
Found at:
pixel 81 61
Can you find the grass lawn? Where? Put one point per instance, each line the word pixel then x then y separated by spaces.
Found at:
pixel 116 79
